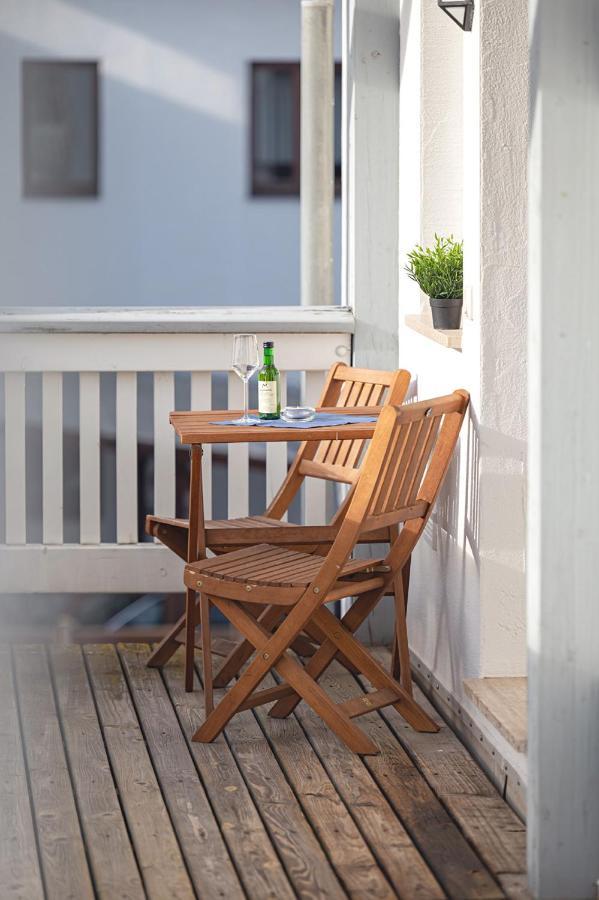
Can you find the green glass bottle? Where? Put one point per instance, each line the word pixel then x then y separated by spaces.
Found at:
pixel 269 385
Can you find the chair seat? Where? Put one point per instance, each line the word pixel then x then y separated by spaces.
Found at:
pixel 241 522
pixel 268 574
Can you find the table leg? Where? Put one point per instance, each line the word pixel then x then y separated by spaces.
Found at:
pixel 196 549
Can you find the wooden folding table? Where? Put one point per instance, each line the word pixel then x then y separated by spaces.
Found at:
pixel 198 428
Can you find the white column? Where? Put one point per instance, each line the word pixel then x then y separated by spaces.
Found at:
pixel 563 536
pixel 317 153
pixel 370 196
pixel 371 176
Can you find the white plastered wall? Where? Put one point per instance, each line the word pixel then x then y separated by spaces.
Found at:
pixel 463 114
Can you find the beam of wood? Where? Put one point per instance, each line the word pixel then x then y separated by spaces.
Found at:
pixel 20 875
pixel 484 817
pixel 61 848
pixel 247 840
pixel 305 860
pixel 504 703
pixel 448 854
pixel 201 841
pixel 152 834
pixel 111 857
pixel 357 866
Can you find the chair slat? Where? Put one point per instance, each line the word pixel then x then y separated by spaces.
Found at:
pixel 52 486
pixel 423 462
pixel 89 458
pixel 238 459
pixel 415 460
pixel 164 444
pixel 126 458
pixel 14 458
pixel 201 398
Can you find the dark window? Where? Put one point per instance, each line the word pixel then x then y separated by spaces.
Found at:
pixel 275 135
pixel 60 128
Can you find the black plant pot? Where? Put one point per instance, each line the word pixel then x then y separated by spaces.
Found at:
pixel 447 313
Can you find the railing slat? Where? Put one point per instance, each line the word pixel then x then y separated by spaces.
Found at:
pixel 276 456
pixel 126 457
pixel 89 458
pixel 238 459
pixel 164 444
pixel 14 458
pixel 315 498
pixel 52 492
pixel 201 398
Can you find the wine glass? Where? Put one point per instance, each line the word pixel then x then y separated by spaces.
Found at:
pixel 246 361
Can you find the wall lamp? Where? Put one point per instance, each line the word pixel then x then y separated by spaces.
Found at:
pixel 459 11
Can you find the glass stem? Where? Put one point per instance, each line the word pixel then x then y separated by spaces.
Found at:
pixel 246 413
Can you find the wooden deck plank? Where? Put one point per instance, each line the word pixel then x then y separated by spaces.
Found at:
pixel 439 840
pixel 349 853
pixel 488 822
pixel 201 841
pixel 158 854
pixel 256 861
pixel 387 838
pixel 111 857
pixel 306 863
pixel 63 858
pixel 20 876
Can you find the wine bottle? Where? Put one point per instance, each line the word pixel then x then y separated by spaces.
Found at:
pixel 269 385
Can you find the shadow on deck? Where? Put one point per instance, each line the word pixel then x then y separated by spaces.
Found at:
pixel 103 794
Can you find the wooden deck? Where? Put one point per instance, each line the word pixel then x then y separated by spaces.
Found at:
pixel 103 794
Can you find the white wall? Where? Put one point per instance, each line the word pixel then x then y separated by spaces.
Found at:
pixel 174 223
pixel 467 592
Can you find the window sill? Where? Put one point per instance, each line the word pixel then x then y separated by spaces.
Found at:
pixel 422 323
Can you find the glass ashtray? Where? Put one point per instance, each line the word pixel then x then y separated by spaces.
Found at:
pixel 298 413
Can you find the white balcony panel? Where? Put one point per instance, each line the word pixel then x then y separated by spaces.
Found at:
pixel 315 497
pixel 52 498
pixel 159 352
pixel 238 459
pixel 201 398
pixel 126 458
pixel 89 458
pixel 276 456
pixel 16 526
pixel 164 444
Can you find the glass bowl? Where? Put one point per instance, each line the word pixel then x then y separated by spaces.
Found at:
pixel 298 413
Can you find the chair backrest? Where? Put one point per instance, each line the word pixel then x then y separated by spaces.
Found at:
pixel 339 460
pixel 401 476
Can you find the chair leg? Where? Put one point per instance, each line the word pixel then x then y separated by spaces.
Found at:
pixel 206 653
pixel 190 627
pixel 400 667
pixel 374 672
pixel 395 656
pixel 292 672
pixel 328 651
pixel 168 645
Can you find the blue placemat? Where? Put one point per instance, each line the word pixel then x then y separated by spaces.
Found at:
pixel 320 420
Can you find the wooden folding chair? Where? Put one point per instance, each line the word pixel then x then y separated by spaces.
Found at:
pixel 398 483
pixel 336 461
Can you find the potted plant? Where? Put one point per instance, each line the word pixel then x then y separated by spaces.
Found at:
pixel 439 271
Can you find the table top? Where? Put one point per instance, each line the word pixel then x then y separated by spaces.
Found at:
pixel 199 428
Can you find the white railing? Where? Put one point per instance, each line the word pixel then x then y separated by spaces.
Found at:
pixel 184 357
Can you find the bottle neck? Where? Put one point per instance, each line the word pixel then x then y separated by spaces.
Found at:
pixel 269 356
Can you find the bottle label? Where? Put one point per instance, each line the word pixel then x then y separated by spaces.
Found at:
pixel 267 397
